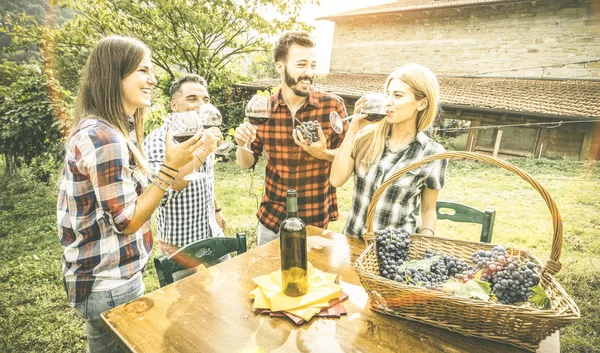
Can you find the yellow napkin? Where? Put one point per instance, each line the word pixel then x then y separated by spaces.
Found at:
pixel 321 288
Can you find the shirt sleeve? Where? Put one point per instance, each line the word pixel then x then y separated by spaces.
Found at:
pixel 105 156
pixel 154 148
pixel 257 147
pixel 437 177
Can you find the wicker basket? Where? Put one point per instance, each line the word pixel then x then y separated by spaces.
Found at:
pixel 518 326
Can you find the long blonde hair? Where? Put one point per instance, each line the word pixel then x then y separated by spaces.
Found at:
pixel 100 94
pixel 370 142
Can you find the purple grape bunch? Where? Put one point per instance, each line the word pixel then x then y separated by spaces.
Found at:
pixel 393 248
pixel 511 278
pixel 309 130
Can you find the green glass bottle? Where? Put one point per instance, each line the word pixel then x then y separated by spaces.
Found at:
pixel 294 253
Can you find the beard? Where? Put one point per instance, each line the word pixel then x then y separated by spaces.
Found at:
pixel 293 84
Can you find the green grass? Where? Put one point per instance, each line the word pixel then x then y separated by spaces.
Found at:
pixel 35 316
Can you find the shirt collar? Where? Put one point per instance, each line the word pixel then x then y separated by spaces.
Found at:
pixel 422 138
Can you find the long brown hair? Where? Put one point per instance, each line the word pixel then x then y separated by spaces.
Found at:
pixel 370 143
pixel 100 94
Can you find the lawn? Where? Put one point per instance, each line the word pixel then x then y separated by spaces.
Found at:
pixel 35 316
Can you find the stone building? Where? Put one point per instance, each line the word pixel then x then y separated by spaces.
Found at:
pixel 530 69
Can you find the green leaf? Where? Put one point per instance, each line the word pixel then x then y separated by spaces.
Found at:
pixel 470 289
pixel 539 298
pixel 424 264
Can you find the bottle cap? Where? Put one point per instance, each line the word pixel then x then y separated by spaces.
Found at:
pixel 292 192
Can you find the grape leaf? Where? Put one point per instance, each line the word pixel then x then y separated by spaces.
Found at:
pixel 539 298
pixel 470 289
pixel 424 264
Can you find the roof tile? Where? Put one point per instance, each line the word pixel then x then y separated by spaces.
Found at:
pixel 411 5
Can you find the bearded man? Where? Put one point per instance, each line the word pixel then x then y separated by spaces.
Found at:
pixel 292 162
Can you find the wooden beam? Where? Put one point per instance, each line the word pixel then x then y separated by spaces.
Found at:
pixel 497 145
pixel 586 145
pixel 472 136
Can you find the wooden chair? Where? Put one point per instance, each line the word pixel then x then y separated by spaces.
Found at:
pixel 457 212
pixel 200 252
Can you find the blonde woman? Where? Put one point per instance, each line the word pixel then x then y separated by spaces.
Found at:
pixel 104 200
pixel 374 151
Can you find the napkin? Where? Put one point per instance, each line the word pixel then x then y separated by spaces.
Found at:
pixel 321 299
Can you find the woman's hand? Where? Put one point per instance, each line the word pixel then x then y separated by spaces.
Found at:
pixel 178 155
pixel 359 122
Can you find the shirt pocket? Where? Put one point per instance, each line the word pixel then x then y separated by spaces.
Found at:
pixel 408 180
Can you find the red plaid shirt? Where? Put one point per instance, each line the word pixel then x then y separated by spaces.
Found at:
pixel 290 167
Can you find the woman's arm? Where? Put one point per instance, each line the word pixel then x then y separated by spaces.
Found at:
pixel 176 156
pixel 428 210
pixel 343 163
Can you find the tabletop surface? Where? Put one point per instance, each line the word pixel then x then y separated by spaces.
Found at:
pixel 211 311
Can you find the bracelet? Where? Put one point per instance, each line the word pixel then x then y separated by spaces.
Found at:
pixel 432 232
pixel 167 174
pixel 168 182
pixel 159 186
pixel 197 156
pixel 172 169
pixel 218 209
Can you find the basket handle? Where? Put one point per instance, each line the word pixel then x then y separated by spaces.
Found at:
pixel 552 265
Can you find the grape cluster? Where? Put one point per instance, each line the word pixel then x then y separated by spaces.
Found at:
pixel 393 248
pixel 309 131
pixel 511 279
pixel 450 266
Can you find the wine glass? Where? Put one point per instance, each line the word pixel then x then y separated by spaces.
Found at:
pixel 375 108
pixel 257 111
pixel 185 125
pixel 210 116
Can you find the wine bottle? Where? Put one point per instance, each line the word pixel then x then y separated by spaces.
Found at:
pixel 294 254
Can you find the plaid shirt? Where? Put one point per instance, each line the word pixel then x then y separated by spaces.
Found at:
pixel 96 201
pixel 188 215
pixel 290 167
pixel 396 206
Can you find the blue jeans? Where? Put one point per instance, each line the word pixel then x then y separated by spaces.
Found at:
pixel 265 235
pixel 99 340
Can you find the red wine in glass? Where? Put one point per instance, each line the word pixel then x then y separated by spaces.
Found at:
pixel 257 119
pixel 182 137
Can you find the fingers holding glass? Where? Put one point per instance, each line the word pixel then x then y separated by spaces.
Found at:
pixel 258 111
pixel 372 105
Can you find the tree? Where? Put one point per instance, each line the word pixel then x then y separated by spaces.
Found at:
pixel 32 116
pixel 205 37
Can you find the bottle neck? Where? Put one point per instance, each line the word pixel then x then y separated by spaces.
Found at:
pixel 292 207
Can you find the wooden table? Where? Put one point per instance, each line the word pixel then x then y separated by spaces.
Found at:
pixel 212 312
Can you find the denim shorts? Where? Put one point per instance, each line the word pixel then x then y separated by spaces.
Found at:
pixel 98 302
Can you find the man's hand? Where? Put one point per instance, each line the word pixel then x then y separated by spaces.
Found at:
pixel 221 221
pixel 212 138
pixel 317 149
pixel 246 132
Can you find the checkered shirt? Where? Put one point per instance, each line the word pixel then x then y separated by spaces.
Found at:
pixel 96 201
pixel 396 206
pixel 188 215
pixel 290 167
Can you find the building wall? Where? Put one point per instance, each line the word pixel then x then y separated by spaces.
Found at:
pixel 541 39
